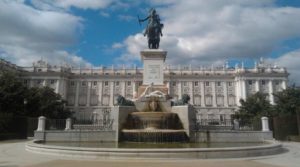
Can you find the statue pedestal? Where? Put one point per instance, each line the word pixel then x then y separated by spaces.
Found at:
pixel 161 88
pixel 153 60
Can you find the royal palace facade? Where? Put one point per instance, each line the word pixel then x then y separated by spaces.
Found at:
pixel 215 92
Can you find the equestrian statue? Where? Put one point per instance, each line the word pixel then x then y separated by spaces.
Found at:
pixel 153 30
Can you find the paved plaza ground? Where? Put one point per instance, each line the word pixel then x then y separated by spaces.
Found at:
pixel 13 154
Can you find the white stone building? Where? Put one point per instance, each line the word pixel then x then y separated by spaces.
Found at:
pixel 215 92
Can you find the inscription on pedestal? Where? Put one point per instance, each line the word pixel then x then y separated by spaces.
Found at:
pixel 154 72
pixel 153 66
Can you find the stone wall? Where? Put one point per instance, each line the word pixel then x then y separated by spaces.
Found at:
pixel 231 136
pixel 75 135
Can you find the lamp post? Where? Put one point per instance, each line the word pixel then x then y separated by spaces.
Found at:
pixel 25 103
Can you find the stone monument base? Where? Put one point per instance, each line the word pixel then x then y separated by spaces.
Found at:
pixel 162 88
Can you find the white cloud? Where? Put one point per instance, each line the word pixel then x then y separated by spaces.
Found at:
pixel 27 34
pixel 291 62
pixel 117 45
pixel 202 32
pixel 66 4
pixel 126 17
pixel 105 14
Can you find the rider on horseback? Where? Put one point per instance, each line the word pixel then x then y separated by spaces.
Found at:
pixel 153 21
pixel 153 30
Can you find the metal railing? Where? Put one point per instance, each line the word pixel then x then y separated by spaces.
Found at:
pixel 98 124
pixel 213 124
pixel 228 124
pixel 55 124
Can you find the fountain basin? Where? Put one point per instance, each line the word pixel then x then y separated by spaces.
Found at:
pixel 153 135
pixel 268 148
pixel 154 120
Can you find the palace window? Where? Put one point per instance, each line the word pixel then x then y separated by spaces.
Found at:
pixel 106 83
pixel 263 82
pixel 197 100
pixel 208 100
pixel 220 100
pixel 52 81
pixel 173 83
pixel 105 100
pixel 231 100
pixel 95 83
pixel 250 82
pixel 206 83
pixel 196 83
pixel 72 83
pixel 83 83
pixel 117 83
pixel 210 116
pixel 218 83
pixel 184 83
pixel 229 83
pixel 129 83
pixel 222 117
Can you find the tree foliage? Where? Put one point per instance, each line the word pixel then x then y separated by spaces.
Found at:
pixel 287 101
pixel 256 105
pixel 12 93
pixel 16 99
pixel 44 101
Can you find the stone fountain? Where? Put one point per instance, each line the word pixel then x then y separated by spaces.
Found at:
pixel 150 117
pixel 154 121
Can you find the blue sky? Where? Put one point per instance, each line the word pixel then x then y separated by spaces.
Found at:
pixel 106 32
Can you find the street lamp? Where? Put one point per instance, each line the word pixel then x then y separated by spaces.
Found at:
pixel 25 103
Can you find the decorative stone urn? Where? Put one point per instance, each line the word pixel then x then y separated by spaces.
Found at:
pixel 153 104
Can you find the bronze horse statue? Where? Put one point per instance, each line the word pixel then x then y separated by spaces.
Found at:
pixel 153 30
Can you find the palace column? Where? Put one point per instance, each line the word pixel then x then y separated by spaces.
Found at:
pixel 123 88
pixel 238 91
pixel 57 86
pixel 214 101
pixel 111 97
pixel 44 82
pixel 88 93
pixel 244 90
pixel 77 93
pixel 271 96
pixel 100 93
pixel 202 93
pixel 257 86
pixel 179 90
pixel 134 92
pixel 284 84
pixel 168 86
pixel 225 94
pixel 63 89
pixel 191 92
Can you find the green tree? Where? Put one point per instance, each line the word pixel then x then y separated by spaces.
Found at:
pixel 44 101
pixel 256 105
pixel 17 99
pixel 287 101
pixel 12 93
pixel 252 109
